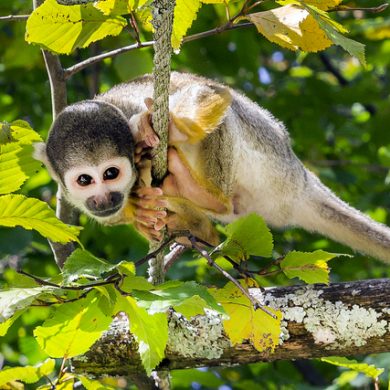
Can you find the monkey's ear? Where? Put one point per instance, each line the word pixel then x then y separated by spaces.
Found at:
pixel 40 154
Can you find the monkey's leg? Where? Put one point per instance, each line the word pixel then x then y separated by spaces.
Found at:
pixel 183 215
pixel 181 183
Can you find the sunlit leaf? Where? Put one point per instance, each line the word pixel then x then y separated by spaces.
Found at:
pixel 354 48
pixel 30 213
pixel 126 268
pixel 291 27
pixel 72 328
pixel 27 374
pixel 320 4
pixel 132 282
pixel 245 323
pixel 247 236
pixel 16 161
pixel 16 299
pixel 63 29
pixel 311 267
pixel 119 7
pixel 4 326
pixel 366 369
pixel 150 331
pixel 184 15
pixel 94 384
pixel 82 263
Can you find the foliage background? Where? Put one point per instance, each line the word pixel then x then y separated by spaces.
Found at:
pixel 338 115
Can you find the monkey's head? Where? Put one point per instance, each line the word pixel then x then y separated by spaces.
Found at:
pixel 90 153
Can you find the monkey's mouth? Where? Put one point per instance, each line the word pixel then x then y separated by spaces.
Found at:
pixel 107 212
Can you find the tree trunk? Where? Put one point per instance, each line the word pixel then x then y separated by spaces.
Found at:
pixel 339 319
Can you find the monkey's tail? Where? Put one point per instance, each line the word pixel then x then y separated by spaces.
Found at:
pixel 322 211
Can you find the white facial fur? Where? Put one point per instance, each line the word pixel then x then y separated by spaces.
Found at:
pixel 99 187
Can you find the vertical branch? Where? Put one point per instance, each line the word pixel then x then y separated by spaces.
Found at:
pixel 162 23
pixel 58 91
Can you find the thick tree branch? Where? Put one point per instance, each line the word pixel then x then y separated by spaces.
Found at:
pixel 59 101
pixel 339 319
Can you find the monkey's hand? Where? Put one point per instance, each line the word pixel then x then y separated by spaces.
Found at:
pixel 149 219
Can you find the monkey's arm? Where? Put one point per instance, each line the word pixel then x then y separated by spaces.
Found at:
pixel 196 112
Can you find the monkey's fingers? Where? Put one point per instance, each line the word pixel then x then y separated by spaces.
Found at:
pixel 149 216
pixel 149 232
pixel 149 103
pixel 149 192
pixel 147 134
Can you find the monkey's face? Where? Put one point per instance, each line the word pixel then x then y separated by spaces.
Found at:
pixel 100 191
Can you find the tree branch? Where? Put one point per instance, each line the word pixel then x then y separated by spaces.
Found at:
pixel 339 319
pixel 14 18
pixel 58 90
pixel 113 53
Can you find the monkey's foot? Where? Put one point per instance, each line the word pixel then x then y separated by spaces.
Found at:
pixel 180 183
pixel 149 218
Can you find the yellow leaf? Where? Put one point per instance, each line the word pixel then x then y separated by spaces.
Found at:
pixel 321 4
pixel 291 27
pixel 118 7
pixel 245 323
pixel 184 15
pixel 62 28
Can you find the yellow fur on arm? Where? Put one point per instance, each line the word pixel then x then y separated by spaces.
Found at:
pixel 209 114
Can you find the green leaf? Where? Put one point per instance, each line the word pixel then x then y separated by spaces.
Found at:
pixel 93 384
pixel 16 161
pixel 184 15
pixel 17 210
pixel 183 379
pixel 82 263
pixel 354 48
pixel 27 374
pixel 245 323
pixel 366 369
pixel 23 133
pixel 16 299
pixel 126 268
pixel 247 236
pixel 62 29
pixel 311 267
pixel 72 328
pixel 150 331
pixel 4 326
pixel 119 7
pixel 132 282
pixel 181 297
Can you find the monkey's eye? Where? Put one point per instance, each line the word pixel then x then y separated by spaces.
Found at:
pixel 84 180
pixel 111 173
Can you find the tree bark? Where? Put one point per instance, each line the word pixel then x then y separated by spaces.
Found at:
pixel 318 320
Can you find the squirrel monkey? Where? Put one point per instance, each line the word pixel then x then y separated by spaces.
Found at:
pixel 227 157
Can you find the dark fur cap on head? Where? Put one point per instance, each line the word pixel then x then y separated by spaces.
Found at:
pixel 87 132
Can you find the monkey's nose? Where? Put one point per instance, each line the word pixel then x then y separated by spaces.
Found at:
pixel 105 205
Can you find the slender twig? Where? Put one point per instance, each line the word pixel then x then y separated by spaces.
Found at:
pixel 14 18
pixel 59 300
pixel 153 254
pixel 110 280
pixel 175 251
pixel 134 25
pixel 379 8
pixel 256 305
pixel 113 53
